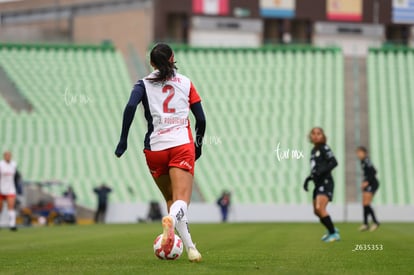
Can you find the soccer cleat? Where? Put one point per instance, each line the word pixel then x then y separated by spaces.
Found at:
pixel 333 238
pixel 193 255
pixel 373 227
pixel 326 235
pixel 168 234
pixel 363 227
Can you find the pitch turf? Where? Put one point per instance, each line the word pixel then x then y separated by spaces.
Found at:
pixel 276 248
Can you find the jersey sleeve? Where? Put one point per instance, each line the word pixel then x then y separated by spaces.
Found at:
pixel 194 97
pixel 136 94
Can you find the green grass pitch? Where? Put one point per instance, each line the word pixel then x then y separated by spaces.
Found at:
pixel 257 248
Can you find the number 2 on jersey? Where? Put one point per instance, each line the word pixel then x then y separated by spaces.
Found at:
pixel 168 89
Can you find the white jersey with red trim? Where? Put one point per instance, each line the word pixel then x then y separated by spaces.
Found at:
pixel 168 105
pixel 7 173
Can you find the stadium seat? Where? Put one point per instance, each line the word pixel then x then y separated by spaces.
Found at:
pixel 391 126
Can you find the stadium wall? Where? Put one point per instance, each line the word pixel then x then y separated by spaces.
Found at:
pixel 55 30
pixel 209 213
pixel 26 5
pixel 299 27
pixel 128 24
pixel 126 27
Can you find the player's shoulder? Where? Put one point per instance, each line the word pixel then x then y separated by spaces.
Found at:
pixel 182 78
pixel 326 148
pixel 321 148
pixel 367 162
pixel 327 151
pixel 140 82
pixel 11 163
pixel 139 86
pixel 146 79
pixel 150 75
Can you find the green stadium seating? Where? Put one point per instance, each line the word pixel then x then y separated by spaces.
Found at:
pixel 256 98
pixel 253 99
pixel 78 94
pixel 390 94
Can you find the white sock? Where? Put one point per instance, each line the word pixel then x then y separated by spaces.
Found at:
pixel 178 211
pixel 12 218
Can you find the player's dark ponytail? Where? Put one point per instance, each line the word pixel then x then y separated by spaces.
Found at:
pixel 162 57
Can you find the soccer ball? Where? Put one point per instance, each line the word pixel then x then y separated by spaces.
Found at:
pixel 169 253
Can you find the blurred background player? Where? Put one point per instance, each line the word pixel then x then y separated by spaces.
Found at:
pixel 224 203
pixel 8 172
pixel 71 195
pixel 369 186
pixel 154 213
pixel 170 151
pixel 323 162
pixel 102 193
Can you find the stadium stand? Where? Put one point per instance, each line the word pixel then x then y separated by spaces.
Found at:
pixel 390 87
pixel 78 94
pixel 254 102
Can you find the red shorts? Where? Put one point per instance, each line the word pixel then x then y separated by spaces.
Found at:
pixel 182 156
pixel 6 196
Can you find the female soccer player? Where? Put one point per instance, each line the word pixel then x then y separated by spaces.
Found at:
pixel 170 152
pixel 8 172
pixel 369 186
pixel 322 163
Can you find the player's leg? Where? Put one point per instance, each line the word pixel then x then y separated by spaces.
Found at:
pixel 225 213
pixel 366 202
pixel 164 184
pixel 182 185
pixel 11 201
pixel 97 213
pixel 103 211
pixel 321 203
pixel 101 214
pixel 365 209
pixel 367 199
pixel 376 223
pixel 315 209
pixel 168 223
pixel 157 162
pixel 316 212
pixel 182 175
